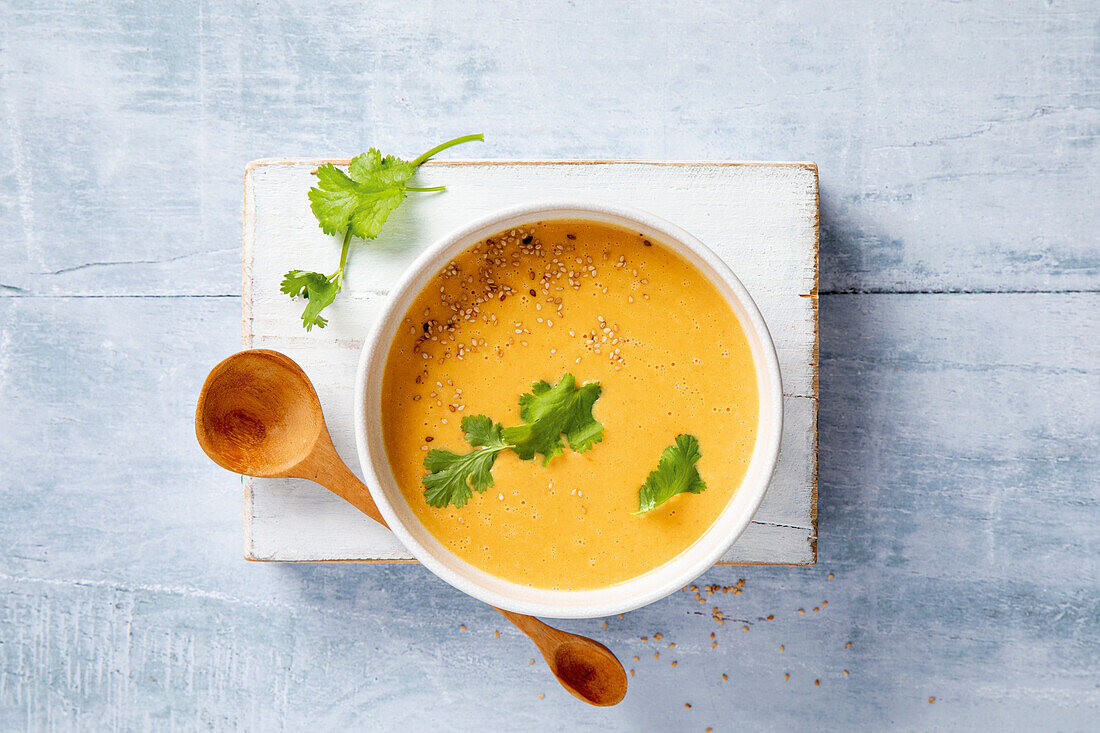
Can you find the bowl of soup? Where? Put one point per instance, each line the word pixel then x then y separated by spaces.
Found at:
pixel 569 408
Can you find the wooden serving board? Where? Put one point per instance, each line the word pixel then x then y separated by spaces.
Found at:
pixel 761 218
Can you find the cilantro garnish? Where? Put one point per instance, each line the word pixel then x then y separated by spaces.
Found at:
pixel 547 411
pixel 676 474
pixel 320 290
pixel 452 475
pixel 356 203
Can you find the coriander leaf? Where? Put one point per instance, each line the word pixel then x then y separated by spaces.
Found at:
pixel 363 200
pixel 334 199
pixel 320 290
pixel 481 431
pixel 389 171
pixel 549 411
pixel 451 475
pixel 676 474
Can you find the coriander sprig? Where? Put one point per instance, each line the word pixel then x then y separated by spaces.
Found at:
pixel 676 474
pixel 547 410
pixel 356 203
pixel 453 475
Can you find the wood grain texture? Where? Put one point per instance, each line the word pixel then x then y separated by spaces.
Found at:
pixel 959 437
pixel 947 130
pixel 760 218
pixel 960 450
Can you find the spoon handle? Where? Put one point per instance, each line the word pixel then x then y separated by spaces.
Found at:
pixel 327 469
pixel 544 637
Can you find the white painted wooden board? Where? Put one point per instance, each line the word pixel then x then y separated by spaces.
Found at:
pixel 761 218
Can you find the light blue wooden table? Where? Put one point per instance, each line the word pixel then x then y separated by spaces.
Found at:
pixel 960 358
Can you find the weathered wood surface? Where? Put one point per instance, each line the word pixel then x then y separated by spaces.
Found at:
pixel 947 132
pixel 960 451
pixel 959 448
pixel 761 219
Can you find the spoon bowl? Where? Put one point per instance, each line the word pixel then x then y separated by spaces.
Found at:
pixel 590 671
pixel 258 414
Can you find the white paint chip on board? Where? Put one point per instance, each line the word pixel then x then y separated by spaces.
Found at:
pixel 760 218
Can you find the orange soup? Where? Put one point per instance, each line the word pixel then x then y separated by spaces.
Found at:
pixel 604 304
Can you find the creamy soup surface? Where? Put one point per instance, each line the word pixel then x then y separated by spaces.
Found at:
pixel 604 304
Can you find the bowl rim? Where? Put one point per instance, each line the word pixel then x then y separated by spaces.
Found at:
pixel 626 595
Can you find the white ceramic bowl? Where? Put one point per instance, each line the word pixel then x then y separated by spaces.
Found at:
pixel 623 596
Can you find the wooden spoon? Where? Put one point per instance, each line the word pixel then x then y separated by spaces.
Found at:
pixel 258 414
